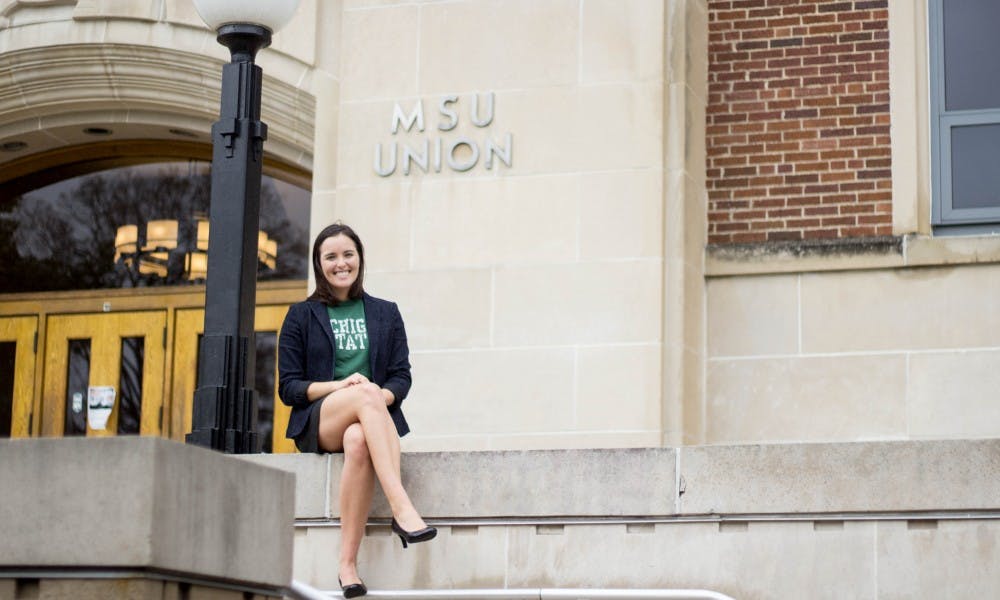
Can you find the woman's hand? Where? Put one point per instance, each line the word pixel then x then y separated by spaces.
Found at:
pixel 354 379
pixel 319 389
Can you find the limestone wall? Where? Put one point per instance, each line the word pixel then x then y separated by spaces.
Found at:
pixel 870 354
pixel 534 291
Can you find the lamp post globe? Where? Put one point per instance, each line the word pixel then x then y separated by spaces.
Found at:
pixel 225 403
pixel 271 14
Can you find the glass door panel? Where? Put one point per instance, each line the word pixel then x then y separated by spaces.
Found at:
pixel 104 374
pixel 189 326
pixel 17 374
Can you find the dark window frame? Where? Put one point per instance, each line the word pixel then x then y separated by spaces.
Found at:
pixel 945 217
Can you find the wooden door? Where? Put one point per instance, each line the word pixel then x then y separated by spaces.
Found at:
pixel 104 364
pixel 18 343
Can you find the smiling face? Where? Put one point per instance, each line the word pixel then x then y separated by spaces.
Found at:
pixel 341 263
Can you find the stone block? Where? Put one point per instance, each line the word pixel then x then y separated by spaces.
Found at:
pixel 379 53
pixel 380 214
pixel 947 250
pixel 316 551
pixel 741 562
pixel 483 222
pixel 418 441
pixel 144 503
pixel 474 391
pixel 858 477
pixel 459 557
pixel 953 394
pixel 297 39
pixel 540 483
pixel 326 89
pixel 546 304
pixel 526 44
pixel 816 398
pixel 362 125
pixel 914 309
pixel 607 400
pixel 622 41
pixel 750 316
pixel 311 473
pixel 182 12
pixel 621 214
pixel 116 9
pixel 696 49
pixel 578 439
pixel 594 128
pixel 442 309
pixel 938 559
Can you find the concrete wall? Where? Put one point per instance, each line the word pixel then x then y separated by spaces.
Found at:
pixel 142 514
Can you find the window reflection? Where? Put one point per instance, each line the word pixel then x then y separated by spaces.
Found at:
pixel 267 350
pixel 130 385
pixel 8 354
pixel 63 236
pixel 77 380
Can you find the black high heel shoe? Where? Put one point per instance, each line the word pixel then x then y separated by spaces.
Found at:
pixel 412 537
pixel 353 590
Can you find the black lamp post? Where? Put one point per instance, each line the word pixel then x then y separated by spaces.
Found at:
pixel 225 404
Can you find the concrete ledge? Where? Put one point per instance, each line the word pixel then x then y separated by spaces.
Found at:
pixel 857 477
pixel 144 503
pixel 312 493
pixel 913 250
pixel 613 482
pixel 752 479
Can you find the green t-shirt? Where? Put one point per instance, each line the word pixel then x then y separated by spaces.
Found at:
pixel 347 320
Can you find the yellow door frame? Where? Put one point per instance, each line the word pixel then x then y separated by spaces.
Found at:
pixel 105 332
pixel 22 331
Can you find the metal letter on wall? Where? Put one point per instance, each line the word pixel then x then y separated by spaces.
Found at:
pixel 416 116
pixel 430 154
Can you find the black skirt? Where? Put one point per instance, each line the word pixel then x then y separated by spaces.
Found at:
pixel 308 439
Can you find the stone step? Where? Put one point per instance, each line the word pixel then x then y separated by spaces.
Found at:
pixel 861 520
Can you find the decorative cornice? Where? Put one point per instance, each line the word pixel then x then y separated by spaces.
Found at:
pixel 56 82
pixel 9 7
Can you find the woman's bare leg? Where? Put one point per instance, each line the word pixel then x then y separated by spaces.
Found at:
pixel 364 404
pixel 357 483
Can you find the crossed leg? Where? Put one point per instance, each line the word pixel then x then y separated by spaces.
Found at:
pixel 356 420
pixel 357 483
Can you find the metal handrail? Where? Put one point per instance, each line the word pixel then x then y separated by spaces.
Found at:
pixel 782 517
pixel 302 591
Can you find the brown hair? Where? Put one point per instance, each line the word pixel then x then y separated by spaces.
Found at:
pixel 324 292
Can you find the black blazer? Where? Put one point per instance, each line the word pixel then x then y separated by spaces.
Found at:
pixel 306 354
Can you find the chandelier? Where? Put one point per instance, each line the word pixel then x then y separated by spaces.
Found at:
pixel 154 254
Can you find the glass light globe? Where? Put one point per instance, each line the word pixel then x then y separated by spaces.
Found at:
pixel 272 14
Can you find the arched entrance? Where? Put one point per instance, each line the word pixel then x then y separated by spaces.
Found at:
pixel 115 352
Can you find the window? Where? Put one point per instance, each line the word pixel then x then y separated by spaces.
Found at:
pixel 965 115
pixel 136 226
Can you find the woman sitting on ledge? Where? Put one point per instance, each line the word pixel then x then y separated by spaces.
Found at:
pixel 344 369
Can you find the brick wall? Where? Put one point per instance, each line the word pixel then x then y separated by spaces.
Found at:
pixel 798 120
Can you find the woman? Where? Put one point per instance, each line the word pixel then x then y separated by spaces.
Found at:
pixel 344 369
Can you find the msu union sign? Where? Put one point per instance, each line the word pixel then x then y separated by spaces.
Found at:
pixel 458 153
